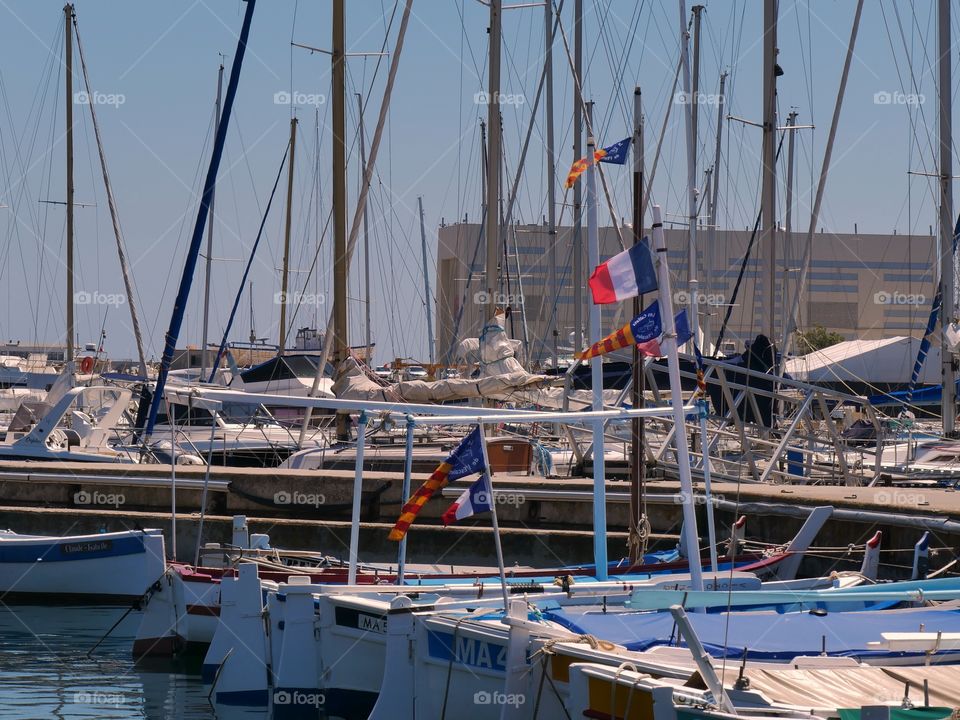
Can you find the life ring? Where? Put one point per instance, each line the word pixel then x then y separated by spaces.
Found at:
pixel 86 365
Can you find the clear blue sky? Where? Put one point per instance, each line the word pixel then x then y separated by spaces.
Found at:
pixel 155 66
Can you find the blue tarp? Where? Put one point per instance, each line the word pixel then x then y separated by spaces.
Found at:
pixel 766 635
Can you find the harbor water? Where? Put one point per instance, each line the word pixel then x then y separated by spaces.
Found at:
pixel 47 670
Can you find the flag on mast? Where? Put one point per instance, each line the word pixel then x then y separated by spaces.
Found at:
pixel 466 459
pixel 645 330
pixel 615 154
pixel 475 499
pixel 624 276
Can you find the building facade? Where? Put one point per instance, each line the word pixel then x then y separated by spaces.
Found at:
pixel 859 285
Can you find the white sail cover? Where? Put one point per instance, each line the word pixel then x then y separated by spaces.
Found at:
pixel 889 360
pixel 502 376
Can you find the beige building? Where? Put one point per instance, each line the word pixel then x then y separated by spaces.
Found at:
pixel 862 286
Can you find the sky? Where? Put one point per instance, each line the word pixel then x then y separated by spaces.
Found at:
pixel 153 72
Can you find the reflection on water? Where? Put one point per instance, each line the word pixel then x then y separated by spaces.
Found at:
pixel 46 672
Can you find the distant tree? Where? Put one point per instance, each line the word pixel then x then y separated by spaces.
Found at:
pixel 816 338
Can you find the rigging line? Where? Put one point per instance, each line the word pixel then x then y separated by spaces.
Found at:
pixel 111 201
pixel 743 267
pixel 911 113
pixel 246 272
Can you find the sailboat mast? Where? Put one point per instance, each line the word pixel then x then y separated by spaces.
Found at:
pixel 709 249
pixel 551 180
pixel 285 277
pixel 578 273
pixel 637 465
pixel 768 159
pixel 208 266
pixel 688 118
pixel 426 285
pixel 68 86
pixel 341 267
pixel 493 159
pixel 366 236
pixel 948 397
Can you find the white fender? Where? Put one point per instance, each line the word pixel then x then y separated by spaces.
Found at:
pixel 921 557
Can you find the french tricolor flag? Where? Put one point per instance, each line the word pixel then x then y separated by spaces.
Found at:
pixel 625 275
pixel 475 499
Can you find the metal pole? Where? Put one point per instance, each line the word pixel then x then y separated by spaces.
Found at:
pixel 788 216
pixel 637 464
pixel 669 346
pixel 708 251
pixel 578 273
pixel 285 277
pixel 948 372
pixel 790 321
pixel 426 285
pixel 341 265
pixel 769 167
pixel 692 282
pixel 496 525
pixel 493 161
pixel 552 329
pixel 173 481
pixel 707 495
pixel 366 239
pixel 404 494
pixel 68 78
pixel 357 497
pixel 208 266
pixel 206 485
pixel 596 372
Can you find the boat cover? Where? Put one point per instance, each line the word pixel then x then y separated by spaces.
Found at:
pixel 769 635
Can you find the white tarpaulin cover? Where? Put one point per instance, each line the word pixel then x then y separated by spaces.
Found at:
pixel 889 360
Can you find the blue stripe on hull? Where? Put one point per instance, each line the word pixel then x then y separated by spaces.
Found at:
pixel 63 550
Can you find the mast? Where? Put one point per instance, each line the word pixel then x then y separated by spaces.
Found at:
pixel 426 285
pixel 493 160
pixel 689 122
pixel 366 237
pixel 112 204
pixel 68 78
pixel 285 277
pixel 341 267
pixel 209 259
pixel 708 257
pixel 788 213
pixel 596 372
pixel 948 375
pixel 768 159
pixel 791 318
pixel 551 181
pixel 637 464
pixel 578 273
pixel 193 251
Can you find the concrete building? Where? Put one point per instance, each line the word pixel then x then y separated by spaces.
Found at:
pixel 859 285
